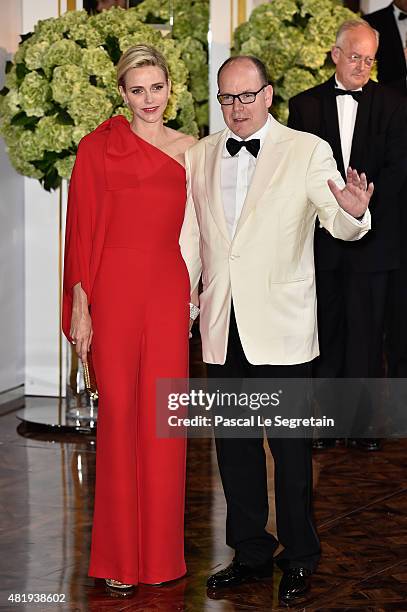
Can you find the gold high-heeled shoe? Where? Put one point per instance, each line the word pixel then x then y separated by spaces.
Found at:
pixel 116 584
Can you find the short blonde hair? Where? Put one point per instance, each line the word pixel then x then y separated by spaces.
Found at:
pixel 138 56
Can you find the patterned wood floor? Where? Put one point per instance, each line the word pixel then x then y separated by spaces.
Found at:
pixel 46 509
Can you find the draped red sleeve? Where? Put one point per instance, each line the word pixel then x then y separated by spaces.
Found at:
pixel 85 220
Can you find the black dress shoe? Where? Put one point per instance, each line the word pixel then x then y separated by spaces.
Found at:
pixel 294 583
pixel 237 573
pixel 366 444
pixel 323 443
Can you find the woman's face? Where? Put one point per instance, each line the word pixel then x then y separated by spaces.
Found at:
pixel 146 92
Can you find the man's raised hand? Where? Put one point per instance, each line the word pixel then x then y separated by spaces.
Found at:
pixel 355 196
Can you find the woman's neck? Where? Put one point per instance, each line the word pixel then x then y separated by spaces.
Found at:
pixel 152 132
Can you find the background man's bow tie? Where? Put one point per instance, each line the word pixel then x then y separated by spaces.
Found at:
pixel 356 95
pixel 402 16
pixel 233 146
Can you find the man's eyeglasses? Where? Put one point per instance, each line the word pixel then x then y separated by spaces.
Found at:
pixel 355 58
pixel 247 97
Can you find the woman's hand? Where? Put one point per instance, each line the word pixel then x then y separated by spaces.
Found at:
pixel 81 323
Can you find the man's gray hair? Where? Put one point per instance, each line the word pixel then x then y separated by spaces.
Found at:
pixel 352 24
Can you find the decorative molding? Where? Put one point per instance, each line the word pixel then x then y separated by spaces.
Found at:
pixel 242 15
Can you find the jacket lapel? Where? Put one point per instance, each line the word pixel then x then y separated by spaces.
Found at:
pixel 360 133
pixel 213 160
pixel 331 123
pixel 271 156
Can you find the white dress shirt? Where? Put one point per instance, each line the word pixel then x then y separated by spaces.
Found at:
pixel 402 26
pixel 236 175
pixel 347 110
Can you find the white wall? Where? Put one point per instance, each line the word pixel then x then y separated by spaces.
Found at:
pixel 11 230
pixel 368 6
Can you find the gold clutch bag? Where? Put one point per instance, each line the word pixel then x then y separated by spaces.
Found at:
pixel 90 378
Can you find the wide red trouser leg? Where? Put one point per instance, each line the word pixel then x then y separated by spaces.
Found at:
pixel 140 479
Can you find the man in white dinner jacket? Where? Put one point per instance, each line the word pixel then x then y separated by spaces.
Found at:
pixel 254 191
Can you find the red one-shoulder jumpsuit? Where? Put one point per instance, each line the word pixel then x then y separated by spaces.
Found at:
pixel 125 212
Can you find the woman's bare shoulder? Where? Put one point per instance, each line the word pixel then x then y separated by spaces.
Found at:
pixel 189 141
pixel 181 141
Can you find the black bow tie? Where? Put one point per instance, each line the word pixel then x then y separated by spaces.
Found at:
pixel 356 95
pixel 402 16
pixel 233 146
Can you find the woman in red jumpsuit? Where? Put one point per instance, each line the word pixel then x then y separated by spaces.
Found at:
pixel 126 293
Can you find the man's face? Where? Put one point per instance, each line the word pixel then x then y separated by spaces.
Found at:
pixel 401 4
pixel 356 50
pixel 104 5
pixel 242 76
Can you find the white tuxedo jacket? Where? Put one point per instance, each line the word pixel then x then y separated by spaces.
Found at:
pixel 268 266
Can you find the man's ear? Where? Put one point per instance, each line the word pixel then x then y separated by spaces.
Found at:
pixel 268 95
pixel 335 54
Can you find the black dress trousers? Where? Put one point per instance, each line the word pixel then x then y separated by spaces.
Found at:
pixel 242 466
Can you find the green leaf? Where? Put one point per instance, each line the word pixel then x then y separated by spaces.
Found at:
pixel 24 120
pixel 47 163
pixel 51 180
pixel 62 115
pixel 151 18
pixel 25 37
pixel 113 48
pixel 21 71
pixel 64 118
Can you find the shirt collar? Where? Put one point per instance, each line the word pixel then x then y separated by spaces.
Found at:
pixel 397 11
pixel 339 85
pixel 260 134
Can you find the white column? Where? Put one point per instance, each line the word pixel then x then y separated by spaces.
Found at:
pixel 42 251
pixel 11 229
pixel 41 289
pixel 219 40
pixel 225 16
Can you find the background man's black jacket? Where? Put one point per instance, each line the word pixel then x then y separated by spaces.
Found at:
pixel 379 148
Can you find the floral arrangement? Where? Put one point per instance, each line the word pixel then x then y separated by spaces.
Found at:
pixel 293 38
pixel 190 30
pixel 62 84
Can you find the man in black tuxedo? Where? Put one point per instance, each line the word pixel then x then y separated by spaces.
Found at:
pixel 366 126
pixel 391 23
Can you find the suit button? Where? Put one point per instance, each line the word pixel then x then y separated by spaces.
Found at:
pixel 233 256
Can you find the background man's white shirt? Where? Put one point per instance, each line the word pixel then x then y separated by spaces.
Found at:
pixel 347 110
